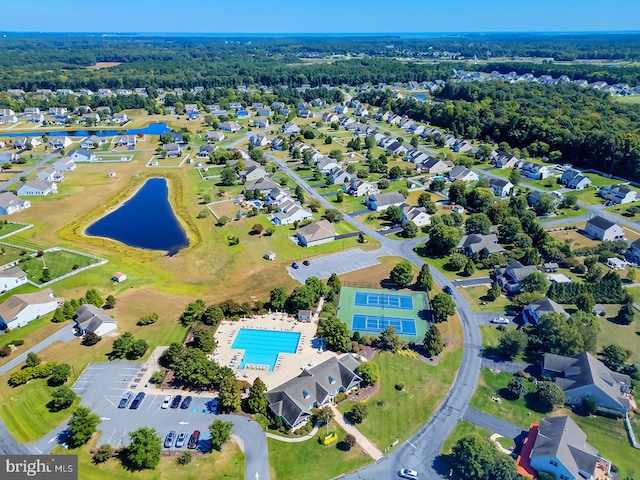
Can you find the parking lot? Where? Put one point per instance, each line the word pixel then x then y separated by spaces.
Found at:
pixel 338 263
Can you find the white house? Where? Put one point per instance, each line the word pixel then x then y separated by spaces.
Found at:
pixel 289 213
pixel 90 318
pixel 19 310
pixel 83 155
pixel 11 203
pixel 619 194
pixel 50 175
pixel 462 173
pixel 66 164
pixel 59 142
pixel 37 188
pixel 382 201
pixel 230 126
pixel 258 139
pixel 602 229
pixel 93 142
pixel 417 215
pixel 12 278
pixel 501 187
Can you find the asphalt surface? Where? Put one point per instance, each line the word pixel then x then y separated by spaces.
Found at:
pixel 473 281
pixel 492 423
pixel 339 263
pixel 26 172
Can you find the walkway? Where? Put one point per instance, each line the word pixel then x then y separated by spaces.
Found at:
pixel 491 423
pixel 363 441
pixel 280 438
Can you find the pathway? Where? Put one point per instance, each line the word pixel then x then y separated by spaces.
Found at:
pixel 306 437
pixel 491 423
pixel 363 441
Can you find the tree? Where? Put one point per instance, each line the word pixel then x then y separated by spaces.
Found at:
pixel 90 338
pixel 512 343
pixel 517 387
pixel 469 268
pixel 425 280
pixel 148 319
pixel 437 185
pixel 478 223
pixel 614 356
pixel 138 349
pixel 59 374
pixel 590 405
pixel 395 172
pixel 626 312
pixel 333 215
pixel 193 312
pixel 69 311
pixel 32 360
pixel 302 298
pixel 410 230
pixel 432 342
pixel 349 441
pixel 393 214
pixel 545 204
pixel 316 286
pixel 358 412
pixel 474 457
pixel 549 395
pixel 530 257
pixel 93 297
pixel 228 176
pixel 480 199
pixel 335 334
pixel 203 340
pixel 336 155
pixel 278 298
pixel 334 284
pixel 58 316
pixel 402 274
pixel 585 302
pixel 442 239
pixel 104 453
pixel 339 196
pixel 511 226
pixel 494 292
pixel 220 433
pixel 299 194
pixel 515 176
pixel 257 229
pixel 82 425
pixel 257 400
pixel 144 450
pixel 443 307
pixel 457 261
pixel 535 282
pixel 369 372
pixel 229 395
pixel 61 398
pixel 423 199
pixel 122 346
pixel 390 340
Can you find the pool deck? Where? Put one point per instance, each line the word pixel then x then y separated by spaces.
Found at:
pixel 289 365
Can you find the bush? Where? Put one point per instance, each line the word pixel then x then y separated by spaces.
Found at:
pixel 590 405
pixel 90 339
pixel 609 413
pixel 104 453
pixel 18 342
pixel 340 397
pixel 184 459
pixel 349 441
pixel 358 412
pixel 399 386
pixel 5 351
pixel 148 319
pixel 21 377
pixel 304 430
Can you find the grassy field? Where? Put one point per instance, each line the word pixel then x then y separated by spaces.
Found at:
pixel 461 430
pixel 476 296
pixel 7 228
pixel 226 463
pixel 58 262
pixel 633 99
pixel 626 336
pixel 312 461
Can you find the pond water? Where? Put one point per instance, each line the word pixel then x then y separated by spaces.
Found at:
pixel 151 129
pixel 146 220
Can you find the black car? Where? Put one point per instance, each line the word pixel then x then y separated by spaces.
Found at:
pixel 306 263
pixel 137 401
pixel 176 401
pixel 126 398
pixel 295 265
pixel 448 290
pixel 186 402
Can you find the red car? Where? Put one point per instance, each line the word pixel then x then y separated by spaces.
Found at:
pixel 193 440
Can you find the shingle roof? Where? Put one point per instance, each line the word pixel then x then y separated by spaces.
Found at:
pixel 16 303
pixel 317 230
pixel 90 318
pixel 601 222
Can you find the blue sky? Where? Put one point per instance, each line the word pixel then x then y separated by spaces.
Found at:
pixel 328 16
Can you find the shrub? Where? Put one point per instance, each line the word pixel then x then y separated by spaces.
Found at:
pixel 340 397
pixel 104 453
pixel 17 342
pixel 399 386
pixel 184 459
pixel 75 266
pixel 90 339
pixel 148 319
pixel 590 405
pixel 21 377
pixel 304 430
pixel 5 351
pixel 349 441
pixel 609 413
pixel 359 412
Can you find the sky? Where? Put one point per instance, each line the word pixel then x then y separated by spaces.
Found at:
pixel 328 16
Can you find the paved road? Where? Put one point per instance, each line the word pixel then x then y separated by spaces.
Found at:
pixel 339 263
pixel 26 172
pixel 492 423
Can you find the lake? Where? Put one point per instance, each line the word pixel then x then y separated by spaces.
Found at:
pixel 151 129
pixel 146 220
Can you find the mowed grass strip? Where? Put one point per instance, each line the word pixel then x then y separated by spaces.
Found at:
pixel 58 262
pixel 461 430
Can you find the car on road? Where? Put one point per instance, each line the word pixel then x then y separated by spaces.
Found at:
pixel 306 263
pixel 408 473
pixel 176 401
pixel 500 320
pixel 182 437
pixel 168 440
pixel 447 289
pixel 166 402
pixel 384 229
pixel 186 402
pixel 126 398
pixel 295 265
pixel 193 439
pixel 137 401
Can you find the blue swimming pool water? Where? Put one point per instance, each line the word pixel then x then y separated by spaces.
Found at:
pixel 438 178
pixel 263 346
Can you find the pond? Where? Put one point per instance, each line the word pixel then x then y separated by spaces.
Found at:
pixel 151 129
pixel 146 220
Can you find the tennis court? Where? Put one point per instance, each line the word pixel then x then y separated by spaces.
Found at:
pixel 376 324
pixel 384 300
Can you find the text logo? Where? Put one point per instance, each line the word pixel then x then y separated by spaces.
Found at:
pixel 51 467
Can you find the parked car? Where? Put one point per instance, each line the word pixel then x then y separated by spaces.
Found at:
pixel 166 402
pixel 186 402
pixel 306 263
pixel 408 473
pixel 295 265
pixel 137 401
pixel 168 440
pixel 500 320
pixel 126 398
pixel 182 437
pixel 193 439
pixel 176 401
pixel 447 289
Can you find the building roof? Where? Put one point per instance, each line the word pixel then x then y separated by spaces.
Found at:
pixel 9 199
pixel 601 222
pixel 16 303
pixel 545 306
pixel 317 230
pixel 459 171
pixel 14 272
pixel 477 242
pixel 261 184
pixel 90 318
pixel 388 198
pixel 499 182
pixel 37 184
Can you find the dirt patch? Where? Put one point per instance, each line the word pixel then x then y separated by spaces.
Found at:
pixel 100 65
pixel 364 393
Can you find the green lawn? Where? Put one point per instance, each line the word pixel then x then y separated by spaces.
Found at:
pixel 570 213
pixel 623 335
pixel 600 181
pixel 7 228
pixel 633 99
pixel 590 196
pixel 549 183
pixel 477 297
pixel 440 262
pixel 58 262
pixel 313 461
pixel 461 430
pixel 11 254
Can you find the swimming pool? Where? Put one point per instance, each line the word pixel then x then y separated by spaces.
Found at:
pixel 263 346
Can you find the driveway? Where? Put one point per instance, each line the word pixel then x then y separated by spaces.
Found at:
pixel 484 318
pixel 472 281
pixel 492 423
pixel 339 263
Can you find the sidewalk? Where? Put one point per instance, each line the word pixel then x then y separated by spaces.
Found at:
pixel 280 438
pixel 366 444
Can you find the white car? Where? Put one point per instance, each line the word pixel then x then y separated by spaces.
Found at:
pixel 500 320
pixel 407 473
pixel 166 402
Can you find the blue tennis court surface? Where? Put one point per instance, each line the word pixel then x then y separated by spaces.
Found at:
pixel 386 300
pixel 375 324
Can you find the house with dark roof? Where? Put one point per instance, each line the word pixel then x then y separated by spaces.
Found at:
pixel 619 194
pixel 505 160
pixel 293 400
pixel 533 312
pixel 582 375
pixel 575 180
pixel 560 448
pixel 600 228
pixel 417 215
pixel 475 243
pixel 316 233
pixel 510 277
pixel 435 165
pixel 90 318
pixel 462 173
pixel 500 186
pixel 633 253
pixel 381 201
pixel 263 185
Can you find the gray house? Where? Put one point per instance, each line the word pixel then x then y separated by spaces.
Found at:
pixel 511 276
pixel 583 375
pixel 475 243
pixel 293 400
pixel 533 312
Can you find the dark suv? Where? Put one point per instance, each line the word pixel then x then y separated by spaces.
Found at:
pixel 176 401
pixel 137 401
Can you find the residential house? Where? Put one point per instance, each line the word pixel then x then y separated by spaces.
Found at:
pixel 533 170
pixel 264 112
pixel 230 126
pixel 316 233
pixel 243 114
pixel 83 155
pixel 600 228
pixel 434 165
pixel 463 146
pixel 560 448
pixel 125 141
pixel 534 197
pixel 475 243
pixel 339 176
pixel 11 203
pixel 619 194
pixel 289 212
pixel 90 318
pixel 253 173
pixel 381 201
pixel 172 149
pixel 326 164
pixel 50 175
pixel 533 312
pixel 235 106
pixel 463 174
pixel 120 118
pixel 358 128
pixel 104 110
pixel 5 112
pixel 277 144
pixel 329 117
pixel 616 263
pixel 575 180
pixel 416 156
pixel 4 119
pixel 260 122
pixel 360 188
pixel 18 310
pixel 258 139
pixel 57 111
pixel 633 253
pixel 417 215
pixel 505 160
pixel 582 375
pixel 306 113
pixel 91 142
pixel 501 187
pixel 213 136
pixel 31 111
pixel 361 111
pixel 23 143
pixel 37 187
pixel 313 388
pixel 206 150
pixel 290 128
pixel 7 157
pixel 66 164
pixel 90 118
pixel 396 148
pixel 341 109
pixel 264 185
pixel 11 278
pixel 510 277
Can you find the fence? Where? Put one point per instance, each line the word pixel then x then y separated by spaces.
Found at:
pixel 25 227
pixel 632 436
